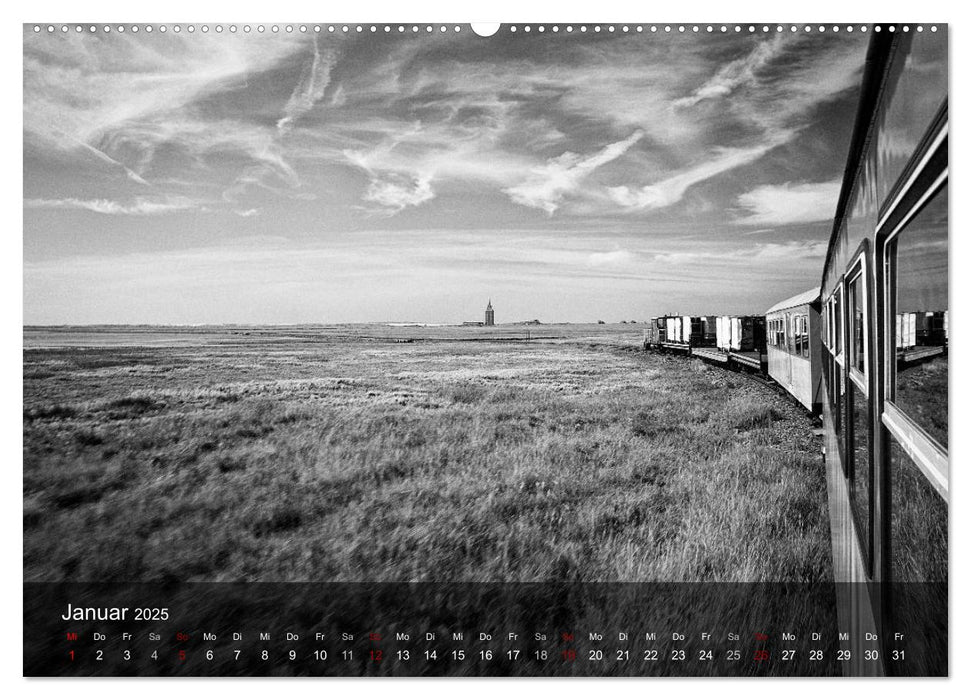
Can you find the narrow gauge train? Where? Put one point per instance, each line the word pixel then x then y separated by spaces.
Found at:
pixel 868 352
pixel 729 340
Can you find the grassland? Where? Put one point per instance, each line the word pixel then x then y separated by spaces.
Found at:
pixel 460 455
pixel 922 394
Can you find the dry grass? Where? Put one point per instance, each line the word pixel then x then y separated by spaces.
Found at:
pixel 277 457
pixel 922 393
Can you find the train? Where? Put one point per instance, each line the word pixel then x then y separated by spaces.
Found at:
pixel 866 351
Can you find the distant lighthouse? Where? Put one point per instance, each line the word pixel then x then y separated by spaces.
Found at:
pixel 490 315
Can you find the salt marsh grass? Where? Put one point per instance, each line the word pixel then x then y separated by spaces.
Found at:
pixel 275 456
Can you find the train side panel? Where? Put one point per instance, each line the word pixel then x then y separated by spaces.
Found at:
pixel 884 302
pixel 793 348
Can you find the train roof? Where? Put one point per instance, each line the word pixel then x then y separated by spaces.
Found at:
pixel 807 297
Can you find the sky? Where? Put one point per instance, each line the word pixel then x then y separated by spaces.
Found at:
pixel 330 178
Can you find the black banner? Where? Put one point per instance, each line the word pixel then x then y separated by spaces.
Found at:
pixel 473 629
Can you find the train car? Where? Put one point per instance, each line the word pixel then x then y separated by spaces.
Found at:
pixel 655 333
pixel 740 333
pixel 884 296
pixel 793 347
pixel 920 335
pixel 686 332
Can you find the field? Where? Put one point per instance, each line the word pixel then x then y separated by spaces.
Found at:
pixel 922 393
pixel 409 454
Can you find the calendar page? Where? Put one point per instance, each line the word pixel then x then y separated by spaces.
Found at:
pixel 613 349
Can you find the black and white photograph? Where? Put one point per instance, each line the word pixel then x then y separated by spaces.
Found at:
pixel 485 350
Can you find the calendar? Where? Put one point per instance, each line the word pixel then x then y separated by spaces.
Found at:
pixel 613 349
pixel 745 630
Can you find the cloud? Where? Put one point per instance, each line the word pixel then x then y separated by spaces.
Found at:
pixel 396 192
pixel 136 103
pixel 613 258
pixel 139 207
pixel 246 213
pixel 735 73
pixel 789 251
pixel 309 90
pixel 670 190
pixel 422 122
pixel 778 205
pixel 787 254
pixel 83 87
pixel 548 185
pixel 102 156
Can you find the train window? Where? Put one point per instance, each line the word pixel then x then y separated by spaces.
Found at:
pixel 839 379
pixel 918 524
pixel 805 336
pixel 839 404
pixel 824 364
pixel 857 408
pixel 861 484
pixel 838 321
pixel 828 322
pixel 824 323
pixel 918 257
pixel 858 329
pixel 835 324
pixel 918 556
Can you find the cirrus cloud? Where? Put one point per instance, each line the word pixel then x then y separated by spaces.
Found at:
pixel 778 205
pixel 140 206
pixel 670 190
pixel 549 184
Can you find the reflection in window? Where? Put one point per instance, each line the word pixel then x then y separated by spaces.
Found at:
pixel 827 373
pixel 916 88
pixel 857 327
pixel 838 323
pixel 918 526
pixel 918 560
pixel 860 487
pixel 830 336
pixel 824 323
pixel 919 256
pixel 834 395
pixel 841 408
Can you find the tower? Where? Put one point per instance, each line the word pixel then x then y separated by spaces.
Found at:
pixel 490 319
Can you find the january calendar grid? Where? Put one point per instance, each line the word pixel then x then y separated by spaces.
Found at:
pixel 449 350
